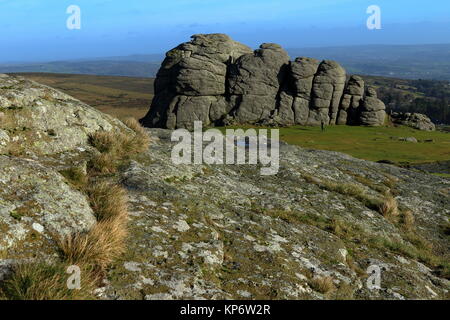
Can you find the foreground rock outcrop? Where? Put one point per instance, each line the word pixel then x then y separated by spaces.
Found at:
pixel 42 133
pixel 225 231
pixel 38 119
pixel 219 81
pixel 35 203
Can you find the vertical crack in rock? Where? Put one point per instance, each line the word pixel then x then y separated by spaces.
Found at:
pixel 351 101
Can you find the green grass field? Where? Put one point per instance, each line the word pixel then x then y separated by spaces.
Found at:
pixel 372 143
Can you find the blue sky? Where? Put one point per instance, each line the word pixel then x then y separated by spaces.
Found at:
pixel 35 30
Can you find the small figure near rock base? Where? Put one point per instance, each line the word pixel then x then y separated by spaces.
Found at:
pixel 322 125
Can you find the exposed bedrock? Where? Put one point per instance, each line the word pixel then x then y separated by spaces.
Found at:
pixel 351 100
pixel 255 81
pixel 373 110
pixel 191 83
pixel 219 81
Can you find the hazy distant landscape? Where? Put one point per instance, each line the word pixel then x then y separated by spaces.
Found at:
pixel 406 61
pixel 118 96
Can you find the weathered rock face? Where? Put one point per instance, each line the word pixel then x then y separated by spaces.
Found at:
pixel 373 110
pixel 328 87
pixel 42 131
pixel 38 119
pixel 254 82
pixel 219 81
pixel 225 232
pixel 414 120
pixel 350 103
pixel 36 203
pixel 191 84
pixel 303 71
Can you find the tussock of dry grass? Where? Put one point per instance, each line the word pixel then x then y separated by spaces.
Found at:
pixel 347 189
pixel 108 201
pixel 31 281
pixel 389 208
pixel 140 142
pixel 103 141
pixel 134 125
pixel 322 284
pixel 116 146
pixel 76 176
pixel 121 144
pixel 99 247
pixel 102 163
pixel 408 220
pixel 106 240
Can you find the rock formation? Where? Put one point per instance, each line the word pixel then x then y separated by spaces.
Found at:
pixel 191 84
pixel 222 231
pixel 414 120
pixel 351 100
pixel 42 131
pixel 372 111
pixel 219 81
pixel 38 119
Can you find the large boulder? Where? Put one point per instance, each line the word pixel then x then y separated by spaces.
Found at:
pixel 328 87
pixel 296 100
pixel 373 110
pixel 255 80
pixel 37 206
pixel 351 100
pixel 38 119
pixel 414 120
pixel 192 80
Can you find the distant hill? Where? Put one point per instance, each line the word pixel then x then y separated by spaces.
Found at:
pixel 405 61
pixel 119 67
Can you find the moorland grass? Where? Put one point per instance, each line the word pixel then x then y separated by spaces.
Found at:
pixel 370 143
pixel 45 281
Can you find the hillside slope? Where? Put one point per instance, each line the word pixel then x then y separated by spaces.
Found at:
pixel 312 231
pixel 219 232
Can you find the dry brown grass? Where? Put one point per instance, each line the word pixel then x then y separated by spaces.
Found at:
pixel 99 247
pixel 140 142
pixel 106 240
pixel 408 220
pixel 134 125
pixel 104 141
pixel 41 281
pixel 121 144
pixel 108 201
pixel 347 189
pixel 389 208
pixel 102 163
pixel 322 284
pixel 115 147
pixel 76 176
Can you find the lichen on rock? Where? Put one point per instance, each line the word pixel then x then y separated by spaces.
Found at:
pixel 39 119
